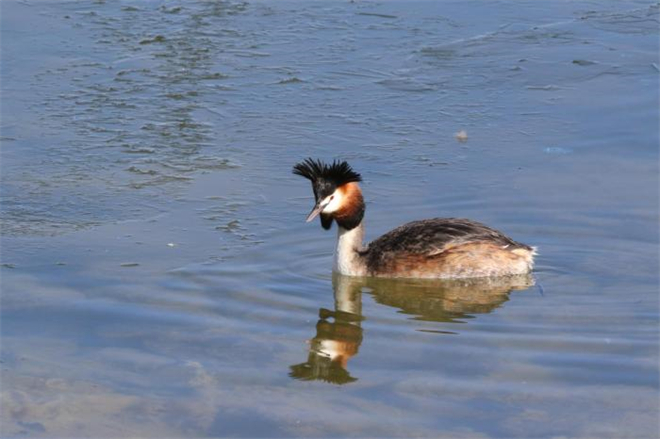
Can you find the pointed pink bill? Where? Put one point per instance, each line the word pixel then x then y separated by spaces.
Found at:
pixel 314 213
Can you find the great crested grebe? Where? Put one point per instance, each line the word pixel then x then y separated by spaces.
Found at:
pixel 431 248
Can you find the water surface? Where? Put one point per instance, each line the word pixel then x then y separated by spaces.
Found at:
pixel 158 278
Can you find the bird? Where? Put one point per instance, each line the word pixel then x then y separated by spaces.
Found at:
pixel 437 248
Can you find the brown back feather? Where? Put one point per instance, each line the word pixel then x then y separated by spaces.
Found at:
pixel 431 237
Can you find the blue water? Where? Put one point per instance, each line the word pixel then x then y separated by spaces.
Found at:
pixel 158 279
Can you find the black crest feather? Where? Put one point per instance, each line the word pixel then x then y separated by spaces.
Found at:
pixel 326 178
pixel 337 173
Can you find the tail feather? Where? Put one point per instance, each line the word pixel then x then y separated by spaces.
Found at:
pixel 527 253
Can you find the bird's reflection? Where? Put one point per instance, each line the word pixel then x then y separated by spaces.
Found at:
pixel 338 336
pixel 447 300
pixel 339 331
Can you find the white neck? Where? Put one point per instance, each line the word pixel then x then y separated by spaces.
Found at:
pixel 347 259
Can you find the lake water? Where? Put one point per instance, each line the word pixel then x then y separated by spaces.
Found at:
pixel 159 280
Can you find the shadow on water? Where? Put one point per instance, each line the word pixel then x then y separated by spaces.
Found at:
pixel 339 332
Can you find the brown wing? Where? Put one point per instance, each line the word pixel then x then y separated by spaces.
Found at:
pixel 431 237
